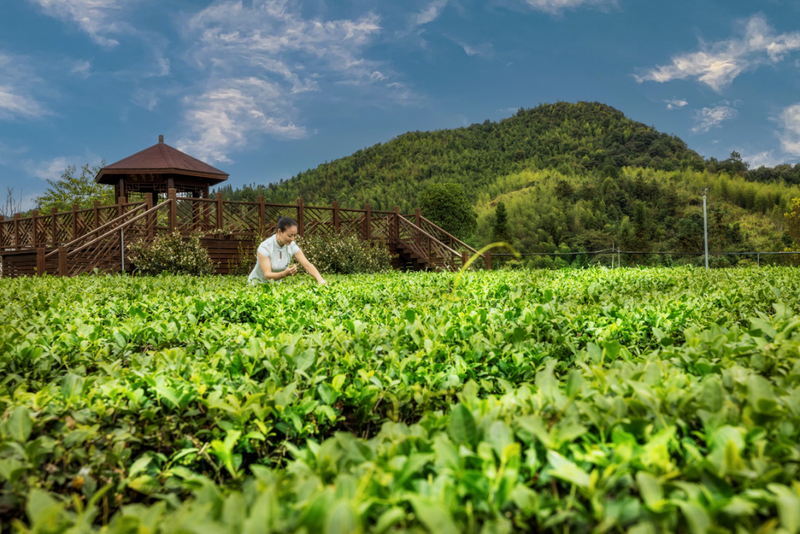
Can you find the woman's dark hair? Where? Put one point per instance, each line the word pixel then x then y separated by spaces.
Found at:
pixel 284 223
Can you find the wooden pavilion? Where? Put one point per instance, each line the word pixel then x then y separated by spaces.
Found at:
pixel 158 169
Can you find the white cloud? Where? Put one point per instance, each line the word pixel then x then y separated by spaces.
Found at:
pixel 262 57
pixel 98 18
pixel 430 13
pixel 718 64
pixel 16 105
pixel 82 68
pixel 483 50
pixel 49 170
pixel 676 103
pixel 225 114
pixel 708 118
pixel 790 138
pixel 17 84
pixel 762 159
pixel 557 6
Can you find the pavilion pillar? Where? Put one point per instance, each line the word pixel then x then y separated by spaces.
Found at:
pixel 488 260
pixel 96 214
pixel 2 231
pixel 220 212
pixel 418 222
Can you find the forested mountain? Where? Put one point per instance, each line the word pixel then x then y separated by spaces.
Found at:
pixel 572 177
pixel 574 138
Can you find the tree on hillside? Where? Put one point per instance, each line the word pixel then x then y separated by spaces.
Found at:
pixel 447 206
pixel 500 231
pixel 73 189
pixel 793 221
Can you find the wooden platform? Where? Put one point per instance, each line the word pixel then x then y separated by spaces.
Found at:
pixel 82 241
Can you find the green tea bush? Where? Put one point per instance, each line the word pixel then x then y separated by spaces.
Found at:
pixel 631 401
pixel 171 253
pixel 345 255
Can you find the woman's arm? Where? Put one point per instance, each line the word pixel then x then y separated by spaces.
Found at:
pixel 307 265
pixel 266 268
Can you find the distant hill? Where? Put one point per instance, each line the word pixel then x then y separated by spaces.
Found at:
pixel 573 177
pixel 574 138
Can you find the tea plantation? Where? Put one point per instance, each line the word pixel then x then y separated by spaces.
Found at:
pixel 639 401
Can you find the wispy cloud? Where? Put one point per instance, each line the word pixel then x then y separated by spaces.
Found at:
pixel 430 13
pixel 53 169
pixel 222 118
pixel 18 82
pixel 262 58
pixel 483 50
pixel 790 137
pixel 98 18
pixel 50 169
pixel 145 99
pixel 82 68
pixel 557 6
pixel 762 159
pixel 708 118
pixel 676 103
pixel 9 154
pixel 718 64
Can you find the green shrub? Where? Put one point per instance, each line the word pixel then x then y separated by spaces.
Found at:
pixel 540 262
pixel 345 255
pixel 245 259
pixel 448 206
pixel 171 253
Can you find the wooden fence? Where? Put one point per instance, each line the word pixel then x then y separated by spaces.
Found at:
pixel 82 240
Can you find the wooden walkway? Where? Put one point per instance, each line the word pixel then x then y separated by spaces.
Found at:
pixel 82 240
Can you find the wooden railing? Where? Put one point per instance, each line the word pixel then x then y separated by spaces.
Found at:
pixel 428 247
pixel 451 241
pixel 106 252
pixel 80 240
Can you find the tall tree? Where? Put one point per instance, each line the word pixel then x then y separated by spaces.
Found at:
pixel 447 206
pixel 500 231
pixel 73 189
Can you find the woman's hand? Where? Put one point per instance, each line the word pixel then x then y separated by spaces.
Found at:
pixel 322 282
pixel 290 271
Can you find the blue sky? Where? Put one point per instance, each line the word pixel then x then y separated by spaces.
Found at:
pixel 266 88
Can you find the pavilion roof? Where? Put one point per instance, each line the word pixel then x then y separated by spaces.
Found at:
pixel 162 159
